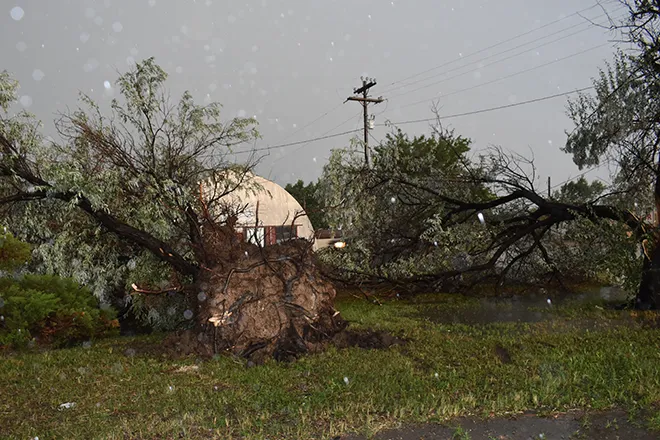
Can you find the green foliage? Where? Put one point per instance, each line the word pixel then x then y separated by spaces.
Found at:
pixel 51 309
pixel 13 252
pixel 392 212
pixel 311 200
pixel 579 191
pixel 141 165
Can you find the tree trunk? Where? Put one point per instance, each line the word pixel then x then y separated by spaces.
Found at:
pixel 648 296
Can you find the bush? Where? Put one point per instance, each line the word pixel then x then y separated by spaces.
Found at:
pixel 52 310
pixel 13 252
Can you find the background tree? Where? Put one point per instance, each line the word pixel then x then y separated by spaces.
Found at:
pixel 388 211
pixel 309 198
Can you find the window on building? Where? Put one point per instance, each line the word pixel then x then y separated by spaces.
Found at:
pixel 255 236
pixel 286 232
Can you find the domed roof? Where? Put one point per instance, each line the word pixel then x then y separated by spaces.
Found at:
pixel 276 206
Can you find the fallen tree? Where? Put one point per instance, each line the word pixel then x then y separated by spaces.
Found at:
pixel 126 189
pixel 460 236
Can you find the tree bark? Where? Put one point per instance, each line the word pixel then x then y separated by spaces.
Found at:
pixel 648 295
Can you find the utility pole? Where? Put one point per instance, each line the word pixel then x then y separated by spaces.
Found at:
pixel 549 187
pixel 367 83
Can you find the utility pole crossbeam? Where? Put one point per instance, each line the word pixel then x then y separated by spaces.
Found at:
pixel 365 100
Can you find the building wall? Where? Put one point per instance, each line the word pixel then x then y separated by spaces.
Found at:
pixel 270 205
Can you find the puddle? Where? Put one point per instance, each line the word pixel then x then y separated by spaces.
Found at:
pixel 610 425
pixel 527 307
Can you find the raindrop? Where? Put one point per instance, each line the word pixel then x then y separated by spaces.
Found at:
pixel 436 375
pixel 346 380
pixel 549 301
pixel 98 20
pixel 91 65
pixel 393 200
pixel 17 13
pixel 314 159
pixel 152 3
pixel 26 101
pixel 84 37
pixel 178 69
pixel 549 141
pixel 107 84
pixel 170 388
pixel 37 75
pixel 188 314
pixel 481 218
pixel 201 296
pixel 255 48
pixel 130 352
pixel 87 344
pixel 171 311
pixel 21 46
pixel 90 13
pixel 369 16
pixel 117 26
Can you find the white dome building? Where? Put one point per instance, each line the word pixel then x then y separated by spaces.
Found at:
pixel 267 213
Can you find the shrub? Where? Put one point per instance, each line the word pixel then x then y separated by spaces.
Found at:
pixel 48 308
pixel 52 310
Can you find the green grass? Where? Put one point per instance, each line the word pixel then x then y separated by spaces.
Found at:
pixel 444 371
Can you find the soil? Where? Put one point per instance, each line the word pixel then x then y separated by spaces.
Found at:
pixel 189 342
pixel 611 425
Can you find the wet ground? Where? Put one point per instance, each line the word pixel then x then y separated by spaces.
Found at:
pixel 532 306
pixel 613 425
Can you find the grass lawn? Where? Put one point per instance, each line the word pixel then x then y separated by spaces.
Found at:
pixel 579 359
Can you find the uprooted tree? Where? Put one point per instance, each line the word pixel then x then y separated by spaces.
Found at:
pixel 517 232
pixel 138 198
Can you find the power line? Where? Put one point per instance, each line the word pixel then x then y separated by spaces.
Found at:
pixel 456 115
pixel 508 76
pixel 312 122
pixel 275 147
pixel 489 64
pixel 490 109
pixel 305 144
pixel 570 179
pixel 493 46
